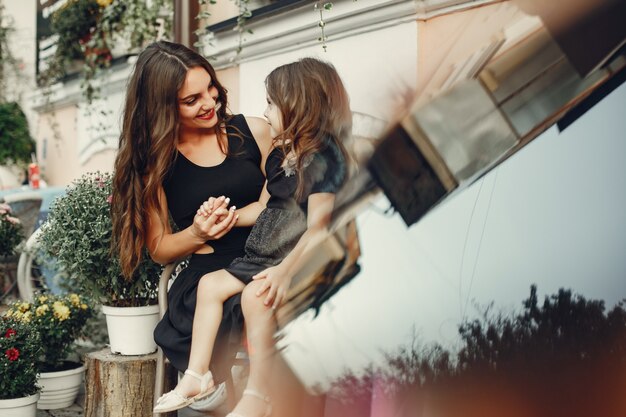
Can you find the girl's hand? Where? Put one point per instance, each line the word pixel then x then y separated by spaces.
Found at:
pixel 215 203
pixel 276 283
pixel 211 204
pixel 213 220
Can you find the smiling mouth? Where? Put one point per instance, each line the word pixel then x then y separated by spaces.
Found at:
pixel 209 115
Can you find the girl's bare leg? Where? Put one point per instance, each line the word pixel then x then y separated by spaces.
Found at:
pixel 213 290
pixel 260 328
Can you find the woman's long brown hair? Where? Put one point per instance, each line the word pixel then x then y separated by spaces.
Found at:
pixel 314 106
pixel 147 144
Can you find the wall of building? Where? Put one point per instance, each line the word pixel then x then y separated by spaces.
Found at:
pixel 446 41
pixel 22 44
pixel 377 75
pixel 56 138
pixel 85 138
pixel 229 78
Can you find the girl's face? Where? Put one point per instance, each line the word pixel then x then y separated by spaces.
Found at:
pixel 197 100
pixel 274 117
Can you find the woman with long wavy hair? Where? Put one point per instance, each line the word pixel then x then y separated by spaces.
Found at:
pixel 180 154
pixel 309 116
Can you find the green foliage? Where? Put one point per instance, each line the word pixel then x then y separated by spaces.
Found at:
pixel 78 234
pixel 137 21
pixel 565 329
pixel 88 29
pixel 73 24
pixel 11 66
pixel 19 349
pixel 567 332
pixel 16 144
pixel 11 231
pixel 59 320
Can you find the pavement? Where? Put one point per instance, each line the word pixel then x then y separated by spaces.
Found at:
pixel 76 410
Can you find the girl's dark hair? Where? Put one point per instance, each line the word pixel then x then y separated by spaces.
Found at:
pixel 314 105
pixel 147 144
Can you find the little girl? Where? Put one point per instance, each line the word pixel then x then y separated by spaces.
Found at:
pixel 309 116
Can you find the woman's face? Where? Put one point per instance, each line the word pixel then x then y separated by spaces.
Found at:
pixel 274 117
pixel 197 100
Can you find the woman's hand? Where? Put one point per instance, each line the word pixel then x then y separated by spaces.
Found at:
pixel 276 283
pixel 213 219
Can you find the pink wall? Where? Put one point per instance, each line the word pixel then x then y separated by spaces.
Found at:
pixel 451 39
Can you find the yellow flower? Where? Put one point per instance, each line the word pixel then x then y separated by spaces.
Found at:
pixel 75 300
pixel 26 316
pixel 18 314
pixel 8 313
pixel 41 310
pixel 42 299
pixel 83 306
pixel 104 3
pixel 61 311
pixel 24 307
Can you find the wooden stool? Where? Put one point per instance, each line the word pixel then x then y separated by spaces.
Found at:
pixel 119 386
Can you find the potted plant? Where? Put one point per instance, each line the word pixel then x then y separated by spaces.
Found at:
pixel 59 320
pixel 88 30
pixel 19 349
pixel 74 23
pixel 11 233
pixel 77 234
pixel 16 144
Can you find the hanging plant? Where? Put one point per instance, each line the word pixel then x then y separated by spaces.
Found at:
pixel 241 23
pixel 87 30
pixel 73 23
pixel 242 17
pixel 321 7
pixel 10 67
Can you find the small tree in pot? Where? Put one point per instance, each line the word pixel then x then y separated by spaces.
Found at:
pixel 77 235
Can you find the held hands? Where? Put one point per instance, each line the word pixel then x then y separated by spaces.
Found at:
pixel 276 283
pixel 213 219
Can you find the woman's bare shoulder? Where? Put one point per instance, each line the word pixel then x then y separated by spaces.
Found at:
pixel 261 132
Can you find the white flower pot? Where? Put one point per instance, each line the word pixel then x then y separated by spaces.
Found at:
pixel 59 389
pixel 131 329
pixel 19 407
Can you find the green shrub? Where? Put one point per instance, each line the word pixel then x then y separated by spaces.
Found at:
pixel 16 145
pixel 20 348
pixel 59 320
pixel 77 235
pixel 11 231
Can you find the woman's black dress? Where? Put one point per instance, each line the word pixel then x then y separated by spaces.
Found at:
pixel 186 187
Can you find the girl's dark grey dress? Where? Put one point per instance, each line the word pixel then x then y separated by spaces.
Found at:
pixel 283 222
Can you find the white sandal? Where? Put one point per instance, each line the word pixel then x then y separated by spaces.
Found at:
pixel 254 393
pixel 174 400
